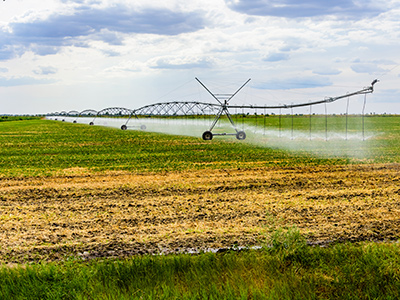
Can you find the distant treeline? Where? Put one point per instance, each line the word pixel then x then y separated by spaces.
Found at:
pixel 18 118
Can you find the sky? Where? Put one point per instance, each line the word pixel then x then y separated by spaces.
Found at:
pixel 61 55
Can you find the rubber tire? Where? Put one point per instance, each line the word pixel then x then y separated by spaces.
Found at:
pixel 91 123
pixel 74 121
pixel 124 127
pixel 143 127
pixel 207 136
pixel 241 135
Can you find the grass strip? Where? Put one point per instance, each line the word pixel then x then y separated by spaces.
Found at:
pixel 287 269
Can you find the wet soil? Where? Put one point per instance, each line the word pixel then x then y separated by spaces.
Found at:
pixel 122 214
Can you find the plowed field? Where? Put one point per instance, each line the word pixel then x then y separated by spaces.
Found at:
pixel 120 213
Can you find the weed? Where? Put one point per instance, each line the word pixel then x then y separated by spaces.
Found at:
pixel 287 240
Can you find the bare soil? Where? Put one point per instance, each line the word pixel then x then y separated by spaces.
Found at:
pixel 84 214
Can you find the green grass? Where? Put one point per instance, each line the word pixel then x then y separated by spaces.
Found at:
pixel 289 269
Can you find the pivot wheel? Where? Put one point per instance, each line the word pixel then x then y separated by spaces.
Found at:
pixel 207 135
pixel 75 121
pixel 143 127
pixel 241 135
pixel 91 123
pixel 124 127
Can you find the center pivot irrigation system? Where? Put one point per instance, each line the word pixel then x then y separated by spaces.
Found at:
pixel 223 100
pixel 172 109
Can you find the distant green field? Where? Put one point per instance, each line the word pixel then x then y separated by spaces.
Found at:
pixel 42 147
pixel 17 118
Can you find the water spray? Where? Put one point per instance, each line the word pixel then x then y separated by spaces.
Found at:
pixel 136 118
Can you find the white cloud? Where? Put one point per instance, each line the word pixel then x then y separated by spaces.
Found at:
pixel 125 66
pixel 45 70
pixel 276 57
pixel 326 71
pixel 294 83
pixel 181 63
pixel 8 82
pixel 109 24
pixel 97 51
pixel 369 68
pixel 306 8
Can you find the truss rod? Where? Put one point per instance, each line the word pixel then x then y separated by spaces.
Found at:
pixel 233 95
pixel 367 90
pixel 213 95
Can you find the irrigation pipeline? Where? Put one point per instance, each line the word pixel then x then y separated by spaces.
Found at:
pixel 179 108
pixel 223 100
pixel 366 90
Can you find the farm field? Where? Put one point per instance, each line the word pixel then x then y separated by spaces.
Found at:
pixel 87 192
pixel 93 191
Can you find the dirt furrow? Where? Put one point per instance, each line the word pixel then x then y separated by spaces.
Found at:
pixel 120 213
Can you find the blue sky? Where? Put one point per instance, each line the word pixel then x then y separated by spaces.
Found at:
pixel 73 55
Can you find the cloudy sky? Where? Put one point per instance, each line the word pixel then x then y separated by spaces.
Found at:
pixel 77 54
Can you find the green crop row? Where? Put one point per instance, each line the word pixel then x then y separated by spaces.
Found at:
pixel 41 147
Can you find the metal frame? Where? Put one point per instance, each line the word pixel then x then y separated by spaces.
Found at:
pixel 86 112
pixel 223 100
pixel 171 109
pixel 112 112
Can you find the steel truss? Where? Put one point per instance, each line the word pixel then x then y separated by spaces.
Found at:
pixel 170 109
pixel 85 113
pixel 88 113
pixel 112 112
pixel 176 109
pixel 62 114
